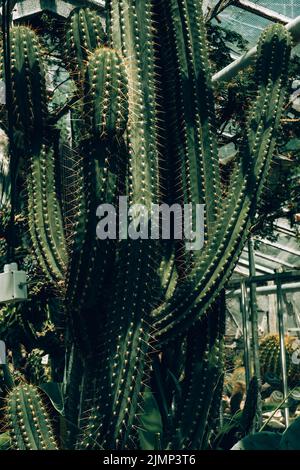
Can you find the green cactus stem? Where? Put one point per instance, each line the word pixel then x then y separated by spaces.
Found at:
pixel 97 177
pixel 143 126
pixel 203 372
pixel 84 34
pixel 130 31
pixel 28 421
pixel 30 145
pixel 219 256
pixel 28 91
pixel 106 94
pixel 269 350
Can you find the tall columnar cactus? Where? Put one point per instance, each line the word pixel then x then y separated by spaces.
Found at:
pixel 147 131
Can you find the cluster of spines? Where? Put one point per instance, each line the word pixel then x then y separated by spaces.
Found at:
pixel 203 372
pixel 270 358
pixel 28 421
pixel 84 34
pixel 29 98
pixel 106 94
pixel 29 121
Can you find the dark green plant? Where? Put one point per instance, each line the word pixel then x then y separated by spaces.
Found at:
pixel 238 426
pixel 28 421
pixel 265 440
pixel 270 359
pixel 143 125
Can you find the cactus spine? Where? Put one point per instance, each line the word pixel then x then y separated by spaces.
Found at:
pixel 106 94
pixel 84 34
pixel 28 422
pixel 146 119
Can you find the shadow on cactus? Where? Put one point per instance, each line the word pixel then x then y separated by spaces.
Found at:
pixel 142 316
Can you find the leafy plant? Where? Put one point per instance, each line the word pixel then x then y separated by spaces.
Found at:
pixel 289 440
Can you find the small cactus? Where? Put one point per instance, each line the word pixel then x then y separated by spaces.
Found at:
pixel 270 359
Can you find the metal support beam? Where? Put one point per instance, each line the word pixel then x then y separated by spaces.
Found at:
pixel 246 336
pixel 262 11
pixel 232 69
pixel 287 276
pixel 254 328
pixel 280 310
pixel 267 290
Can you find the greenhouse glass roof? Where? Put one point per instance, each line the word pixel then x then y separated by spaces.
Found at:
pixel 270 256
pixel 250 25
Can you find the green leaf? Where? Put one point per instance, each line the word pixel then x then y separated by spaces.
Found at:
pixel 293 145
pixel 259 441
pixel 291 437
pixel 151 423
pixel 4 441
pixel 54 392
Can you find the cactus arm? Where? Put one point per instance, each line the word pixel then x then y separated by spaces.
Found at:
pixel 219 257
pixel 30 129
pixel 90 259
pixel 93 164
pixel 105 110
pixel 200 75
pixel 32 228
pixel 44 212
pixel 28 421
pixel 133 38
pixel 28 91
pixel 93 167
pixel 84 34
pixel 106 92
pixel 191 108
